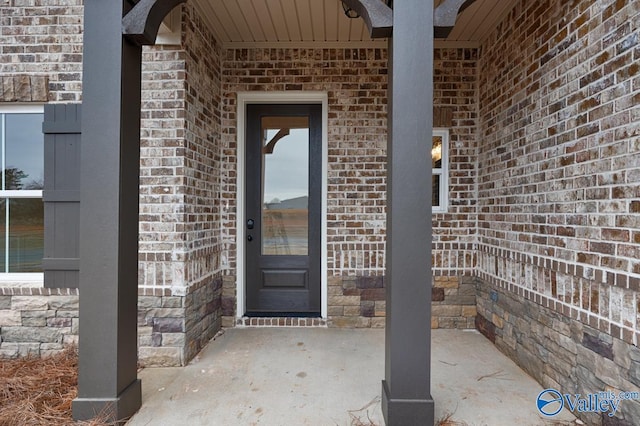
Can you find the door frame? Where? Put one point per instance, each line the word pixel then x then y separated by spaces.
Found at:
pixel 293 97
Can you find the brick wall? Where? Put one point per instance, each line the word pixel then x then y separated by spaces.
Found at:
pixel 41 51
pixel 37 321
pixel 180 202
pixel 356 83
pixel 558 174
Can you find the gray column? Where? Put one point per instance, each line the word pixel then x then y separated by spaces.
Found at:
pixel 406 390
pixel 109 176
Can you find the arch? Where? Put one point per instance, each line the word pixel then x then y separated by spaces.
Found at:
pixel 141 24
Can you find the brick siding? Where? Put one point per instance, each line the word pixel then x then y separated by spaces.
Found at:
pixel 41 44
pixel 558 194
pixel 558 180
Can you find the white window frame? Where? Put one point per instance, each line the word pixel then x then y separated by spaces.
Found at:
pixel 443 171
pixel 17 278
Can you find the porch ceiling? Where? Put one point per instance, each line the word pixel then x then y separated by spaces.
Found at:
pixel 248 23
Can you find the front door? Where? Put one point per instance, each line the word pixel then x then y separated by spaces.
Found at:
pixel 283 186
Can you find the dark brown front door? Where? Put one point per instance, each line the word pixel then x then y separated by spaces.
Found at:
pixel 283 184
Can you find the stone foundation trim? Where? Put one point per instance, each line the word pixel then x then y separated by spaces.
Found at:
pixel 280 322
pixel 569 310
pixel 37 291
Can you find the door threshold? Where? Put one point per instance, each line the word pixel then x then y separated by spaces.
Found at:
pixel 281 321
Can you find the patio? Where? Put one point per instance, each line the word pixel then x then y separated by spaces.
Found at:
pixel 328 376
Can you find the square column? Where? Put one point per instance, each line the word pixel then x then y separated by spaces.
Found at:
pixel 406 389
pixel 109 178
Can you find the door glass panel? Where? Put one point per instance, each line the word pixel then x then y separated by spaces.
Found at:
pixel 285 185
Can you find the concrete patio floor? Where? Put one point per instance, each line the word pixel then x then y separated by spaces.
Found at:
pixel 322 376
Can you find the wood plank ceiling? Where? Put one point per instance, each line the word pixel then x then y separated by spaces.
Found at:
pixel 246 23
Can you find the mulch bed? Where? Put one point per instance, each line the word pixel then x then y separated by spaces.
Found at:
pixel 39 391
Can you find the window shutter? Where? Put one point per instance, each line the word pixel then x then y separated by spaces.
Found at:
pixel 61 195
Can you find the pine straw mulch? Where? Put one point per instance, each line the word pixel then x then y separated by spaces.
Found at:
pixel 39 391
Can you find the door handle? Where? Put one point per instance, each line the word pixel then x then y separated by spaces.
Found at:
pixel 250 223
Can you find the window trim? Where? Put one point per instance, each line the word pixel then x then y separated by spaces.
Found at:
pixel 443 171
pixel 17 279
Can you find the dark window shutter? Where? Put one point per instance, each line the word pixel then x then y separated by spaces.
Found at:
pixel 61 195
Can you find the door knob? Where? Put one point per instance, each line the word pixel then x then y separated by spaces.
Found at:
pixel 249 238
pixel 250 223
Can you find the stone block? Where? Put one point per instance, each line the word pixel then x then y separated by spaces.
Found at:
pixel 343 322
pixel 173 339
pixel 367 308
pixel 607 371
pixel 597 345
pixel 145 340
pixel 28 349
pixel 5 302
pixel 373 294
pixel 168 325
pixel 351 311
pixel 31 334
pixel 485 327
pixel 165 313
pixel 344 300
pixel 172 302
pixel 148 302
pixel 369 282
pixel 65 314
pixel 39 88
pixel 70 339
pixel 437 294
pixel 22 88
pixel 335 311
pixel 378 322
pixel 30 303
pixel 469 311
pixel 363 322
pixel 8 94
pixel 51 346
pixel 228 322
pixel 460 300
pixel 452 322
pixel 59 322
pixel 446 311
pixel 8 350
pixel 467 290
pixel 497 321
pixel 10 318
pixel 156 339
pixel 160 356
pixel 34 322
pixel 64 303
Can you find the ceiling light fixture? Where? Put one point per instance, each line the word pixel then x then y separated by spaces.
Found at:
pixel 352 14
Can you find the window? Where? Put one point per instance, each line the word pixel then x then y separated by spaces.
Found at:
pixel 21 206
pixel 440 170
